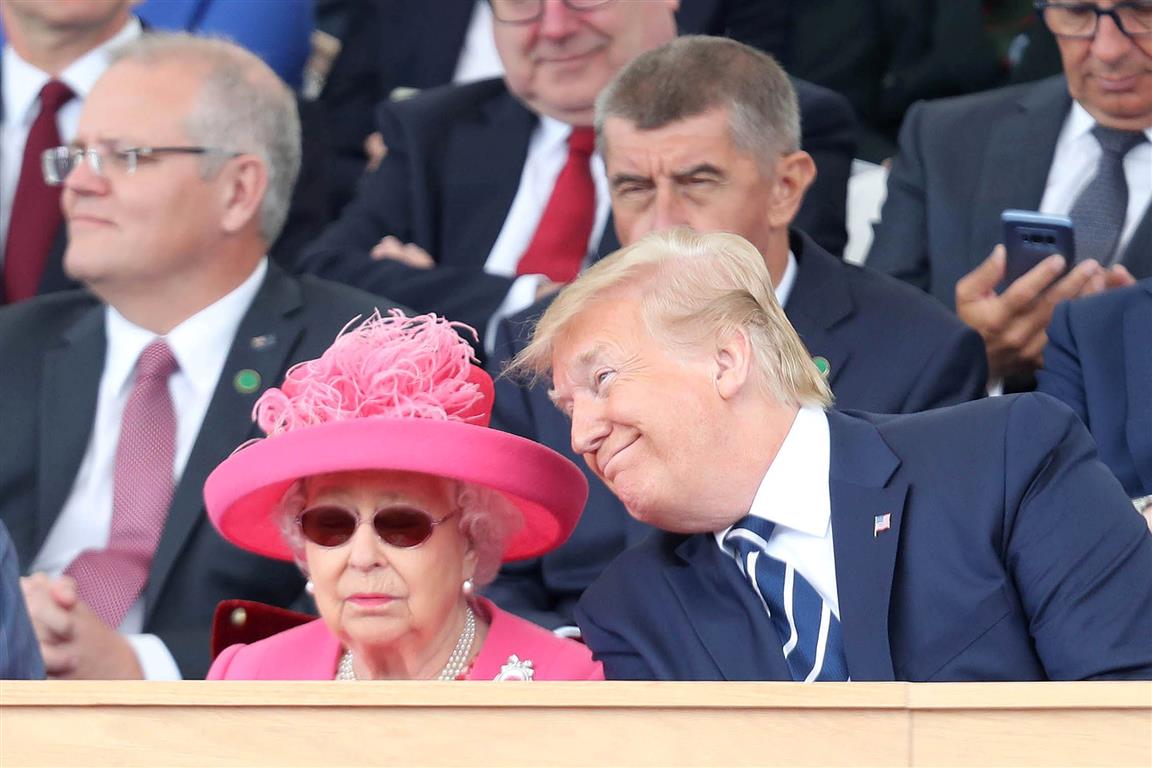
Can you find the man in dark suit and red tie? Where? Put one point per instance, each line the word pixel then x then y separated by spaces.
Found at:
pixel 980 542
pixel 491 195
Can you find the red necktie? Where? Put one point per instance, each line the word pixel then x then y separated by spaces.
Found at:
pixel 36 213
pixel 561 240
pixel 110 580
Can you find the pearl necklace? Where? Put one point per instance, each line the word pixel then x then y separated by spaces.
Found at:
pixel 457 662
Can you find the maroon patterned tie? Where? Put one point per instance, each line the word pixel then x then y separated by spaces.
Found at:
pixel 110 580
pixel 561 240
pixel 36 213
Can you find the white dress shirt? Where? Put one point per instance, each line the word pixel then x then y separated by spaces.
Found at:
pixel 20 85
pixel 200 345
pixel 547 155
pixel 794 495
pixel 1074 165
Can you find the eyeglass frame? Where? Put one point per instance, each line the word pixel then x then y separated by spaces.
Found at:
pixel 1042 5
pixel 131 156
pixel 540 10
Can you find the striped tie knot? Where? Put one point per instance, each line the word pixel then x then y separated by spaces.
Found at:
pixel 810 634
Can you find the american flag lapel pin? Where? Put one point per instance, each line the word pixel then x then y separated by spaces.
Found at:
pixel 881 523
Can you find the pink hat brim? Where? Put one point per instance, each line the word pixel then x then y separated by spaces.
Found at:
pixel 243 493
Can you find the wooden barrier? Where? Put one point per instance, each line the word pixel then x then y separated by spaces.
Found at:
pixel 567 724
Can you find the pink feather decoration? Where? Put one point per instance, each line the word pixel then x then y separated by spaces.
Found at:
pixel 394 366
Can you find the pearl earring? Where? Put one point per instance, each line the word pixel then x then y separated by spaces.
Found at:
pixel 309 587
pixel 469 588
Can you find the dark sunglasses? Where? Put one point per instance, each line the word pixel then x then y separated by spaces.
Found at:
pixel 331 526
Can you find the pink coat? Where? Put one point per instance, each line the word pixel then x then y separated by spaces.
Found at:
pixel 311 652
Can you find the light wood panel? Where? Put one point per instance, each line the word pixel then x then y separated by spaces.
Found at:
pixel 570 724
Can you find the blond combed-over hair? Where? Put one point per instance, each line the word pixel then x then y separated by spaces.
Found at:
pixel 691 289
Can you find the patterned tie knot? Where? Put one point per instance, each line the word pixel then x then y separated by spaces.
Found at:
pixel 54 95
pixel 582 141
pixel 748 534
pixel 1116 142
pixel 156 362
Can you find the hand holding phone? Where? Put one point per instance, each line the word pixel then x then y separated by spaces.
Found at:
pixel 1030 237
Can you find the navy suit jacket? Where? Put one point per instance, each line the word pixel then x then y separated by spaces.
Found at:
pixel 1099 361
pixel 19 649
pixel 1013 554
pixel 451 174
pixel 54 350
pixel 858 320
pixel 961 162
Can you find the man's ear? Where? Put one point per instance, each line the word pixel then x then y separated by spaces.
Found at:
pixel 733 363
pixel 795 172
pixel 245 180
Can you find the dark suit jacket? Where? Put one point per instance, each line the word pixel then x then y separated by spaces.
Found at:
pixel 19 649
pixel 1013 554
pixel 54 350
pixel 860 321
pixel 1099 361
pixel 452 171
pixel 306 216
pixel 961 162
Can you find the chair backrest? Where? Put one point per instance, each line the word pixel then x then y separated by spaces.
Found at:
pixel 246 621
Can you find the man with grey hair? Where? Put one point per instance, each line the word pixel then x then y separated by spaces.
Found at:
pixel 120 399
pixel 979 542
pixel 704 132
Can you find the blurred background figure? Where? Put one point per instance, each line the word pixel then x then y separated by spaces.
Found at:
pixel 395 541
pixel 19 650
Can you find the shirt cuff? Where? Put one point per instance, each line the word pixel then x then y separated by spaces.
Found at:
pixel 155 660
pixel 520 296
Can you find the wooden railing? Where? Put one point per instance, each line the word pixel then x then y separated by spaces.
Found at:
pixel 603 724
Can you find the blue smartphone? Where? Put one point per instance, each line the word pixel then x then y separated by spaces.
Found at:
pixel 1030 237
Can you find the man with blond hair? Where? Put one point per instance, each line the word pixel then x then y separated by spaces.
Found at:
pixel 978 542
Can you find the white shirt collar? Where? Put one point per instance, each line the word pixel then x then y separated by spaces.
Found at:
pixel 790 494
pixel 22 81
pixel 1080 124
pixel 787 280
pixel 200 344
pixel 554 133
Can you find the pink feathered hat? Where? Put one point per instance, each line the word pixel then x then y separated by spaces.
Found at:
pixel 396 393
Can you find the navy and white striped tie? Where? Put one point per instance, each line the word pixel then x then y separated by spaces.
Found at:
pixel 810 633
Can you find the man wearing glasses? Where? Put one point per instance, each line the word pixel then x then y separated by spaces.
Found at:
pixel 1076 144
pixel 120 399
pixel 491 194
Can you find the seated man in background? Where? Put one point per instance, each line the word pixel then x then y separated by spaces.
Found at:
pixel 979 542
pixel 1077 144
pixel 1099 362
pixel 119 400
pixel 490 194
pixel 704 132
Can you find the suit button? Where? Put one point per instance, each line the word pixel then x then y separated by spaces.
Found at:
pixel 239 617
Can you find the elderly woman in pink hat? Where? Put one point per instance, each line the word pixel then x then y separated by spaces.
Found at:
pixel 381 478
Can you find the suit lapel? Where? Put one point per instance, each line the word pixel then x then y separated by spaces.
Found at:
pixel 863 494
pixel 1138 362
pixel 1016 164
pixel 1137 257
pixel 67 412
pixel 267 335
pixel 725 614
pixel 819 301
pixel 490 144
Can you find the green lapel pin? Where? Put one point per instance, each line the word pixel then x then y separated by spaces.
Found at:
pixel 246 381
